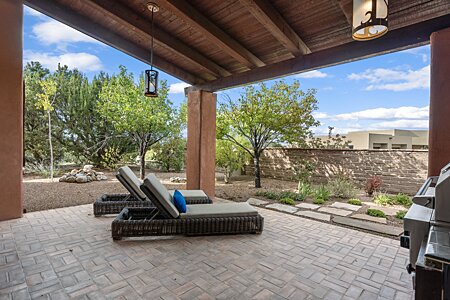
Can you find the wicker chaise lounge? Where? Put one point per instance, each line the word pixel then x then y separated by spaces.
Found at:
pixel 200 219
pixel 114 203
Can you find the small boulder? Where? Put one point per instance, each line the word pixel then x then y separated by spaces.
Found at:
pixel 81 178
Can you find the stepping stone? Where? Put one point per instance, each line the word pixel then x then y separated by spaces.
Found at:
pixel 283 208
pixel 390 211
pixel 345 206
pixel 335 211
pixel 257 202
pixel 376 227
pixel 370 218
pixel 307 206
pixel 314 215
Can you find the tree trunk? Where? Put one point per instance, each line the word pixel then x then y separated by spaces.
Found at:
pixel 257 171
pixel 226 176
pixel 142 152
pixel 50 144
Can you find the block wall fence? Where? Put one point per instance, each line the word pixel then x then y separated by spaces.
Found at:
pixel 401 170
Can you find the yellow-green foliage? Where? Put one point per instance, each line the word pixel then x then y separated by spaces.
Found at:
pixel 287 201
pixel 354 202
pixel 376 213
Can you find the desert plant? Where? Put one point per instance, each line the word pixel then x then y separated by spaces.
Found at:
pixel 304 189
pixel 287 201
pixel 303 170
pixel 322 193
pixel 383 199
pixel 342 187
pixel 402 199
pixel 373 185
pixel 354 202
pixel 401 214
pixel 318 201
pixel 376 213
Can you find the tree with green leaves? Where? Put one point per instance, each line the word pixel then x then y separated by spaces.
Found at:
pixel 170 153
pixel 230 157
pixel 146 121
pixel 266 115
pixel 45 101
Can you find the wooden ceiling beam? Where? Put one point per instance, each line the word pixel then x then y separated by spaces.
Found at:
pixel 399 39
pixel 83 24
pixel 211 31
pixel 274 22
pixel 127 17
pixel 347 9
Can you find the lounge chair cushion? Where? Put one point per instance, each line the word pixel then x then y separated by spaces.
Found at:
pixel 220 210
pixel 191 194
pixel 179 201
pixel 161 194
pixel 133 182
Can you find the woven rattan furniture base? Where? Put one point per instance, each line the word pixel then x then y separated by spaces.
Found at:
pixel 114 203
pixel 136 222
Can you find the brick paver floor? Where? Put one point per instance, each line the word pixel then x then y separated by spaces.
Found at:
pixel 67 253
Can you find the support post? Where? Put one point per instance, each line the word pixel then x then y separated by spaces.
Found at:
pixel 11 109
pixel 201 142
pixel 439 136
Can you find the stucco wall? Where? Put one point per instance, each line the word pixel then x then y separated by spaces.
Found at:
pixel 401 170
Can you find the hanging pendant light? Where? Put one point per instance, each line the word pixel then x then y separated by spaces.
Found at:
pixel 151 76
pixel 370 19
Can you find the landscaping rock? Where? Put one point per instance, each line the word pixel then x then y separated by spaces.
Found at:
pixel 87 174
pixel 370 218
pixel 314 215
pixel 376 227
pixel 282 207
pixel 257 202
pixel 345 206
pixel 81 179
pixel 178 179
pixel 307 206
pixel 335 211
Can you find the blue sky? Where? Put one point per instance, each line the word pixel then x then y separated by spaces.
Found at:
pixel 385 92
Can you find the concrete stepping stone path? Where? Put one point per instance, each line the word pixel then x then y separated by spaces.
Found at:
pixel 370 218
pixel 307 206
pixel 345 206
pixel 335 211
pixel 377 227
pixel 390 211
pixel 257 202
pixel 314 215
pixel 282 207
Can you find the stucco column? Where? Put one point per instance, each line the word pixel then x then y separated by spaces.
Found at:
pixel 11 109
pixel 439 141
pixel 201 142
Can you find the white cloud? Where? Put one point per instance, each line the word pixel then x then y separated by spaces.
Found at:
pixel 312 74
pixel 178 88
pixel 381 113
pixel 394 80
pixel 409 124
pixel 82 61
pixel 54 32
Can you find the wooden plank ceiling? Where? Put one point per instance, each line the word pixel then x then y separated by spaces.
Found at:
pixel 218 44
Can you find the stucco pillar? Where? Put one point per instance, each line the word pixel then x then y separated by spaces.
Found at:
pixel 201 142
pixel 439 139
pixel 11 109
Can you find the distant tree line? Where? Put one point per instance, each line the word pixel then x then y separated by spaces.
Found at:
pixel 102 121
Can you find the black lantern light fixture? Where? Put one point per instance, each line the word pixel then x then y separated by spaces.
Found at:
pixel 370 19
pixel 151 76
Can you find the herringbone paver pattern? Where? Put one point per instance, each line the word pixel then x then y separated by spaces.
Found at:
pixel 67 253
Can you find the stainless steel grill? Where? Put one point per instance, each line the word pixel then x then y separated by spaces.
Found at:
pixel 427 236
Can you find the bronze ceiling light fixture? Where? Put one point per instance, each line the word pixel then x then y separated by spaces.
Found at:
pixel 370 19
pixel 151 76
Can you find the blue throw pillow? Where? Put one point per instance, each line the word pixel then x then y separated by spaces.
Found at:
pixel 179 201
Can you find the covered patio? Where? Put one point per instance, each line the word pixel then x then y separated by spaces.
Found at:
pixel 68 253
pixel 212 45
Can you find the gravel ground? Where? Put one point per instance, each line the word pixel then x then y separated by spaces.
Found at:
pixel 42 194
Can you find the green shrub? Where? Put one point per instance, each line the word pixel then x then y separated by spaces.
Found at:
pixel 292 195
pixel 354 202
pixel 402 199
pixel 304 189
pixel 322 193
pixel 376 213
pixel 342 187
pixel 267 194
pixel 400 214
pixel 318 201
pixel 383 199
pixel 287 201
